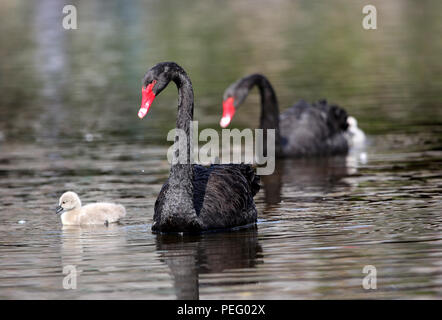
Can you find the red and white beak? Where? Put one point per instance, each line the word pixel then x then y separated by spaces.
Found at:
pixel 228 112
pixel 147 97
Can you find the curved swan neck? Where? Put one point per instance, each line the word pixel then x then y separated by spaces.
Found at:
pixel 182 174
pixel 269 105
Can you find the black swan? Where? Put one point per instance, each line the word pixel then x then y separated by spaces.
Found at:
pixel 304 130
pixel 197 198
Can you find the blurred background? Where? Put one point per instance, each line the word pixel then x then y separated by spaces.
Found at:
pixel 62 84
pixel 68 121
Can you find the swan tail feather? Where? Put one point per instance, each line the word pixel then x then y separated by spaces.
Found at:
pixel 252 178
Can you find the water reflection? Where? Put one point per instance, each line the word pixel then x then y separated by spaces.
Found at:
pixel 322 174
pixel 80 243
pixel 190 256
pixel 91 248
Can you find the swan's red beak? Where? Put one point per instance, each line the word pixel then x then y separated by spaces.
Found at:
pixel 228 112
pixel 147 97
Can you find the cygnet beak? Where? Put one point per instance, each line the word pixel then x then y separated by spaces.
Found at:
pixel 59 209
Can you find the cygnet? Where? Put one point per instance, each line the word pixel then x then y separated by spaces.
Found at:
pixel 72 213
pixel 355 136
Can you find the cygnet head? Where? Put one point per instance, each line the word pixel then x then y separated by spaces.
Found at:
pixel 68 201
pixel 352 122
pixel 355 136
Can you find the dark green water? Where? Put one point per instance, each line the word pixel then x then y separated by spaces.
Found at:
pixel 68 121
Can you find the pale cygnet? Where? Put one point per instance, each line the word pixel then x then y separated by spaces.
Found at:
pixel 72 213
pixel 355 136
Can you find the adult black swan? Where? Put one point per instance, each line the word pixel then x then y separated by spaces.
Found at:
pixel 304 130
pixel 197 198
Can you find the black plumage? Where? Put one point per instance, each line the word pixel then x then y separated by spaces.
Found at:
pixel 304 130
pixel 222 198
pixel 197 198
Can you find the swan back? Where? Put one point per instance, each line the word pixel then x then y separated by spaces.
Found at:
pixel 100 213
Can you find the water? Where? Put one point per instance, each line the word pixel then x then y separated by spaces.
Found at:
pixel 68 121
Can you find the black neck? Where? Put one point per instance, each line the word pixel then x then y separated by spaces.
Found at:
pixel 181 174
pixel 269 104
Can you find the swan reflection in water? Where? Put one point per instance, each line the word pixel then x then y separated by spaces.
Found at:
pixel 189 256
pixel 319 174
